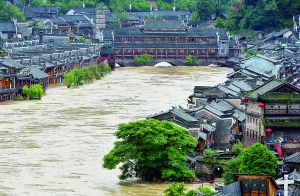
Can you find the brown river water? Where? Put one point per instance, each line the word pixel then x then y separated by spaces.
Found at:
pixel 55 146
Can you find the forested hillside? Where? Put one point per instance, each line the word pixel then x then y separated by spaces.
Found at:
pixel 242 14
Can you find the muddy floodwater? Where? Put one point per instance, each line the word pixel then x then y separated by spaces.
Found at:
pixel 55 146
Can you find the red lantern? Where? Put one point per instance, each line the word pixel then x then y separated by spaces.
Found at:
pixel 268 130
pixel 261 105
pixel 245 100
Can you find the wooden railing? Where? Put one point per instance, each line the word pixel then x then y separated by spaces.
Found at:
pixel 280 112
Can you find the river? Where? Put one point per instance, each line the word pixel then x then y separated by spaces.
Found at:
pixel 55 146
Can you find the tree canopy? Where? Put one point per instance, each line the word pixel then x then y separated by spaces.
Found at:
pixel 151 147
pixel 9 11
pixel 257 159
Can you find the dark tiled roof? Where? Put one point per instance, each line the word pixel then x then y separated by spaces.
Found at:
pixel 280 33
pixel 36 73
pixel 294 158
pixel 219 106
pixel 172 13
pixel 180 113
pixel 8 62
pixel 242 85
pixel 7 27
pixel 164 25
pixel 72 18
pixel 26 12
pixel 227 91
pixel 84 10
pixel 208 127
pixel 164 45
pixel 107 50
pixel 109 17
pixel 191 32
pixel 214 110
pixel 58 21
pixel 265 88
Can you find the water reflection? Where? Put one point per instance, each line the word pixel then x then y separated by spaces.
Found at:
pixel 55 146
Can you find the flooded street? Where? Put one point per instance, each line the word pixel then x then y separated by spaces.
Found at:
pixel 55 146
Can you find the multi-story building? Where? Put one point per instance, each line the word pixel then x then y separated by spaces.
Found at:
pixel 169 39
pixel 273 114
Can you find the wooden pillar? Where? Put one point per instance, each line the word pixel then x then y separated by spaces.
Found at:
pixel 207 52
pixel 156 52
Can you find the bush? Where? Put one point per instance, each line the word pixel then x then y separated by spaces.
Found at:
pixel 34 92
pixel 191 60
pixel 206 190
pixel 142 60
pixel 18 98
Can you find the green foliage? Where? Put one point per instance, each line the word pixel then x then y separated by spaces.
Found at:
pixel 175 189
pixel 18 98
pixel 178 189
pixel 250 53
pixel 2 53
pixel 81 39
pixel 281 123
pixel 26 91
pixel 191 192
pixel 34 92
pixel 194 18
pixel 206 190
pixel 39 26
pixel 151 147
pixel 163 5
pixel 142 60
pixel 210 153
pixel 237 148
pixel 221 23
pixel 140 6
pixel 231 168
pixel 9 11
pixel 155 17
pixel 79 75
pixel 257 159
pixel 191 60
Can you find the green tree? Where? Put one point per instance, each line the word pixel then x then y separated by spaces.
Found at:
pixel 231 168
pixel 36 91
pixel 233 165
pixel 178 189
pixel 191 60
pixel 151 147
pixel 26 91
pixel 204 9
pixel 257 159
pixel 142 60
pixel 103 70
pixel 9 11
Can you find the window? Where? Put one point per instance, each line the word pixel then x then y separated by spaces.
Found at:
pixel 278 106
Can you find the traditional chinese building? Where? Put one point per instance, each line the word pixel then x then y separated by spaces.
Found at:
pixel 273 114
pixel 169 40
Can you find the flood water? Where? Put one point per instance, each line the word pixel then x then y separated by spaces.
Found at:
pixel 55 146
